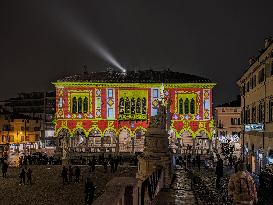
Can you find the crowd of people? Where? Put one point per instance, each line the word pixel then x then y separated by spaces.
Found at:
pixel 241 185
pixel 39 159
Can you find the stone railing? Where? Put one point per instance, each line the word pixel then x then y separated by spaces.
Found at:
pixel 151 186
pixel 119 191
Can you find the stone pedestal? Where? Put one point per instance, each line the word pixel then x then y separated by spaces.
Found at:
pixel 156 154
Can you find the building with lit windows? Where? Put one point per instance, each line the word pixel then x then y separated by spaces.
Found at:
pixel 110 111
pixel 257 108
pixel 228 125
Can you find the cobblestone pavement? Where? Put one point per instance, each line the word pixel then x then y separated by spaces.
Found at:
pixel 48 189
pixel 181 192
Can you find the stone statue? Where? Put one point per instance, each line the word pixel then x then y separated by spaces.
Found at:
pixel 159 121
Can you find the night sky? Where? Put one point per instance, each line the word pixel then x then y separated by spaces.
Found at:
pixel 42 41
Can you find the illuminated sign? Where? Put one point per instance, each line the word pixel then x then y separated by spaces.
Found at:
pixel 254 127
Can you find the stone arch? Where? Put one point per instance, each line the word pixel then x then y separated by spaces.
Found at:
pixel 110 137
pixel 139 137
pixel 63 135
pixel 78 138
pixel 94 137
pixel 125 141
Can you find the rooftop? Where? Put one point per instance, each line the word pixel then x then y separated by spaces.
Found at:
pixel 146 76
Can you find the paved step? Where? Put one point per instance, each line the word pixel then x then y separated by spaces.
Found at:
pixel 180 193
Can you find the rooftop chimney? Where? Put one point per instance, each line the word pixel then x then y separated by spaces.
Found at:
pixel 267 41
pixel 251 61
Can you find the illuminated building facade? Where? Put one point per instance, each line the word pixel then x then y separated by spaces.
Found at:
pixel 228 125
pixel 256 86
pixel 111 111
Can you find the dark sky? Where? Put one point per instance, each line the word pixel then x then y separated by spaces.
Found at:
pixel 40 41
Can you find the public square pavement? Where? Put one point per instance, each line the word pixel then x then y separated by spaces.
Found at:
pixel 48 189
pixel 181 192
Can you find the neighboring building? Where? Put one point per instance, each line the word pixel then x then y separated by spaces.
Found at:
pixel 111 110
pixel 38 105
pixel 228 124
pixel 19 131
pixel 257 107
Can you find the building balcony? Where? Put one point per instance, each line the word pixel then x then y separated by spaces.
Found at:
pixel 132 117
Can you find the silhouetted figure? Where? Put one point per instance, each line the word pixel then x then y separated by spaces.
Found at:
pixel 198 161
pixel 22 176
pixel 77 174
pixel 89 191
pixel 94 162
pixel 29 176
pixel 70 173
pixel 105 163
pixel 219 170
pixel 64 175
pixel 112 164
pixel 4 169
pixel 116 163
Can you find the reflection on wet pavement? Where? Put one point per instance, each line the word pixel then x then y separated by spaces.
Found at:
pixel 180 193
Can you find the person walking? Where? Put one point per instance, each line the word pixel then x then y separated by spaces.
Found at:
pixel 219 170
pixel 112 164
pixel 241 187
pixel 198 161
pixel 22 176
pixel 70 173
pixel 116 163
pixel 4 169
pixel 77 174
pixel 64 175
pixel 105 164
pixel 29 176
pixel 94 162
pixel 89 191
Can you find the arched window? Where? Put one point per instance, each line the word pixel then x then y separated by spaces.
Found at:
pixel 192 109
pixel 74 105
pixel 180 106
pixel 133 105
pixel 127 105
pixel 186 105
pixel 143 105
pixel 85 105
pixel 138 106
pixel 79 105
pixel 121 106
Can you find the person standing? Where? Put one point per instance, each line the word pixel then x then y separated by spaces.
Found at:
pixel 22 176
pixel 112 164
pixel 105 164
pixel 94 162
pixel 241 187
pixel 64 175
pixel 198 161
pixel 77 174
pixel 70 173
pixel 4 169
pixel 29 176
pixel 219 171
pixel 89 191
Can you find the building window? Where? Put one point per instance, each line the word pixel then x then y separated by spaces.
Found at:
pixel 110 113
pixel 253 112
pixel 261 75
pixel 232 121
pixel 85 105
pixel 247 86
pixel 143 105
pixel 121 106
pixel 74 105
pixel 254 81
pixel 239 121
pixel 127 106
pixel 271 111
pixel 133 105
pixel 186 105
pixel 110 93
pixel 261 112
pixel 138 105
pixel 79 105
pixel 271 68
pixel 180 106
pixel 192 107
pixel 155 93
